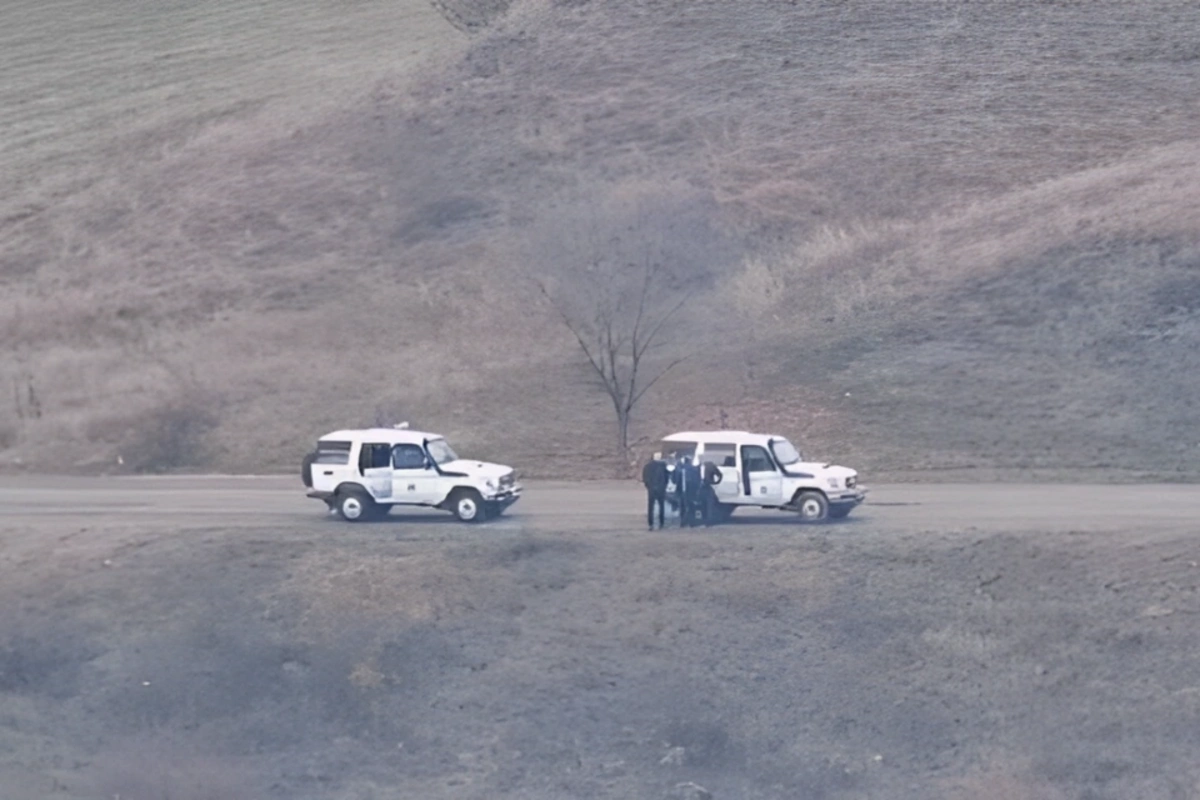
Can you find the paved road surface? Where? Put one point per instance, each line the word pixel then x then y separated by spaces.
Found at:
pixel 254 501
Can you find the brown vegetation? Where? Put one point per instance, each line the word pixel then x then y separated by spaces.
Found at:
pixel 221 639
pixel 965 233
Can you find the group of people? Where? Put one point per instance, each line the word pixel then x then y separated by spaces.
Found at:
pixel 683 483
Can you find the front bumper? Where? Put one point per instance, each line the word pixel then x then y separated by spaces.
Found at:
pixel 848 497
pixel 504 497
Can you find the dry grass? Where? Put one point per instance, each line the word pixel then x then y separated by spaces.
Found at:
pixel 311 248
pixel 321 591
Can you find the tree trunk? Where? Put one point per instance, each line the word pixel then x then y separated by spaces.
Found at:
pixel 623 437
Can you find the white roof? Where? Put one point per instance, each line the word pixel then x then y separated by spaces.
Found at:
pixel 724 437
pixel 380 436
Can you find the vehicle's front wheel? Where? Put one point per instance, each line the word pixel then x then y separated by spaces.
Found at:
pixel 355 506
pixel 467 505
pixel 812 506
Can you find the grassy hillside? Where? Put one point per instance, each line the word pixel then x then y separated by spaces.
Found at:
pixel 961 238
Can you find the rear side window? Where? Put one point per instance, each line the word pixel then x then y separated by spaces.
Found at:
pixel 332 453
pixel 721 454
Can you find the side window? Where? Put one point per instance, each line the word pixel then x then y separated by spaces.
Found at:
pixel 374 456
pixel 408 456
pixel 329 452
pixel 723 455
pixel 755 459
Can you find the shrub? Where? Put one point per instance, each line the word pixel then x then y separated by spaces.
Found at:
pixel 170 437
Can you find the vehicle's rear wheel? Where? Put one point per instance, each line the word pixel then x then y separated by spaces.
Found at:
pixel 355 506
pixel 812 506
pixel 725 511
pixel 467 505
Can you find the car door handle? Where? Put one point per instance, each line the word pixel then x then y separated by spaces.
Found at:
pixel 327 472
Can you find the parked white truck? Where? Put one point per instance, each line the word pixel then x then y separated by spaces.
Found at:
pixel 361 474
pixel 768 471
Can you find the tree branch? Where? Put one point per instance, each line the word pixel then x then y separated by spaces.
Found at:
pixel 653 381
pixel 610 385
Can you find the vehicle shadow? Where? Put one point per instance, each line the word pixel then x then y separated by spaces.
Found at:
pixel 420 517
pixel 767 520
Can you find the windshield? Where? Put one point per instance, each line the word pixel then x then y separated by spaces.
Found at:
pixel 440 452
pixel 785 452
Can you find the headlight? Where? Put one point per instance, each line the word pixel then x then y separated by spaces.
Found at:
pixel 833 483
pixel 851 482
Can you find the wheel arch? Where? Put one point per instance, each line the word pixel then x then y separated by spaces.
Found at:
pixel 801 490
pixel 446 501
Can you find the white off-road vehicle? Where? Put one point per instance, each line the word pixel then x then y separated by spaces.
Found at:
pixel 362 474
pixel 762 470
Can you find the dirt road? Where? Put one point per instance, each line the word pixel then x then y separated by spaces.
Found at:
pixel 222 637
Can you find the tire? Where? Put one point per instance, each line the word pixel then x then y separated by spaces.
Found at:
pixel 467 505
pixel 714 475
pixel 356 506
pixel 725 511
pixel 839 512
pixel 306 469
pixel 812 506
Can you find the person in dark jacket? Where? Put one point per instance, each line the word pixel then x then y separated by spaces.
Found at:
pixel 654 477
pixel 710 474
pixel 688 484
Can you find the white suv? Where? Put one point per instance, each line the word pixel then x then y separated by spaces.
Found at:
pixel 362 474
pixel 768 471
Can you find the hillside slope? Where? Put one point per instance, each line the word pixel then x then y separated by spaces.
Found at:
pixel 965 235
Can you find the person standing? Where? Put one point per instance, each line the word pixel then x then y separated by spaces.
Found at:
pixel 710 475
pixel 687 479
pixel 654 477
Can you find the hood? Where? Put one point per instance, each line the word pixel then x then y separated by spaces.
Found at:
pixel 821 469
pixel 476 469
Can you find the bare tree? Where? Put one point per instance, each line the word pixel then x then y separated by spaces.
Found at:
pixel 622 274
